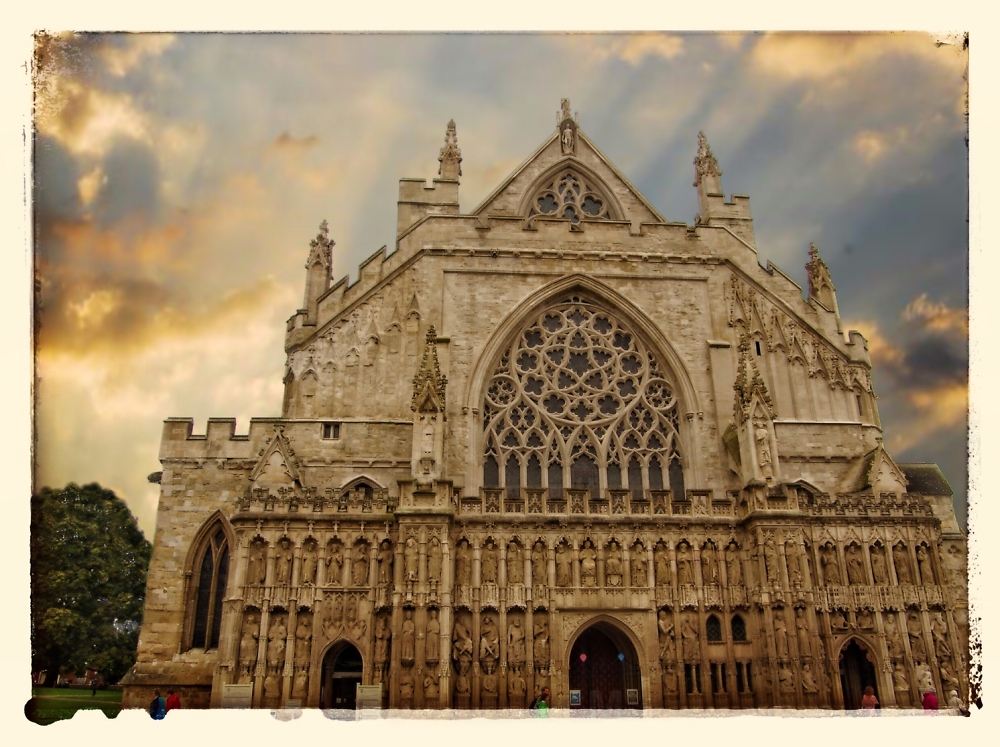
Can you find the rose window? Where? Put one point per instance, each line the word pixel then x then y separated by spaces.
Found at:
pixel 570 196
pixel 579 401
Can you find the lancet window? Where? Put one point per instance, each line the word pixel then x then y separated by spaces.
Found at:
pixel 210 589
pixel 570 196
pixel 580 402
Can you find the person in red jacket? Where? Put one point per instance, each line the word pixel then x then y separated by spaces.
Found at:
pixel 930 701
pixel 173 701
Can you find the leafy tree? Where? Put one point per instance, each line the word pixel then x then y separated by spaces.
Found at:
pixel 89 561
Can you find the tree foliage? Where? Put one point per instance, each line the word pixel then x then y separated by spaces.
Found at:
pixel 89 561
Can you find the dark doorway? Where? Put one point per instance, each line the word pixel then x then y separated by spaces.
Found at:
pixel 604 667
pixel 342 668
pixel 857 672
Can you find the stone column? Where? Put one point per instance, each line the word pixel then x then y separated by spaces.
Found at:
pixel 576 564
pixel 626 567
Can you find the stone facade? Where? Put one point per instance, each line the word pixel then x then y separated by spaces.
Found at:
pixel 555 424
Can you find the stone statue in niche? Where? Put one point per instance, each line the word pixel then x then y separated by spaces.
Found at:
pixel 665 635
pixel 924 565
pixel 410 560
pixel 685 574
pixel 359 565
pixel 300 685
pixel 515 564
pixel 272 685
pixel 837 620
pixel 638 566
pixel 899 681
pixel 463 564
pixel 855 567
pixel 948 678
pixel 541 646
pixel 462 648
pixel 489 685
pixel 567 139
pixel 792 564
pixel 283 563
pixel 780 634
pixel 670 679
pixel 307 572
pixel 915 632
pixel 734 569
pixel 489 642
pixel 406 637
pixel 356 622
pixel 538 565
pixel 808 681
pixel 925 680
pixel 434 560
pixel 892 639
pixel 382 638
pixel 709 565
pixel 588 564
pixel 763 449
pixel 334 563
pixel 385 563
pixel 432 646
pixel 831 569
pixel 276 636
pixel 878 566
pixel 406 687
pixel 613 565
pixel 901 561
pixel 802 632
pixel 866 621
pixel 257 569
pixel 516 688
pixel 303 641
pixel 488 563
pixel 462 688
pixel 771 561
pixel 248 647
pixel 689 641
pixel 786 680
pixel 515 643
pixel 661 567
pixel 564 577
pixel 939 632
pixel 432 692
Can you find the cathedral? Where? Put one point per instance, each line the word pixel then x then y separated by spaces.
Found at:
pixel 557 441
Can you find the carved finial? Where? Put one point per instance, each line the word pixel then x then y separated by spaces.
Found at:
pixel 429 385
pixel 748 382
pixel 704 162
pixel 820 283
pixel 451 155
pixel 566 114
pixel 321 248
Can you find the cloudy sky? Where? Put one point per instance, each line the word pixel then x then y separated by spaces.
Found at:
pixel 178 180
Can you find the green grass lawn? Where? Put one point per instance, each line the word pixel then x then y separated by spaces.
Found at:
pixel 50 704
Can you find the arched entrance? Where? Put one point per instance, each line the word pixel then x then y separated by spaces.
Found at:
pixel 857 671
pixel 604 667
pixel 342 667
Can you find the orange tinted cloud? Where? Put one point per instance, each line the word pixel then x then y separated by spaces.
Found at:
pixel 937 317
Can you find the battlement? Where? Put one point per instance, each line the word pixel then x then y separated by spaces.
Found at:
pixel 416 200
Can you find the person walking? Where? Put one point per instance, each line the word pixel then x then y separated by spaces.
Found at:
pixel 541 703
pixel 930 701
pixel 157 706
pixel 869 702
pixel 173 701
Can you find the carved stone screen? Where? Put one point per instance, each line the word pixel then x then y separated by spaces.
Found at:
pixel 579 397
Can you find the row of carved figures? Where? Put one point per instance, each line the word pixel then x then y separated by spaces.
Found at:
pixel 884 566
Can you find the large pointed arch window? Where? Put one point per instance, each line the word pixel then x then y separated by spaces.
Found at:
pixel 209 589
pixel 572 196
pixel 580 395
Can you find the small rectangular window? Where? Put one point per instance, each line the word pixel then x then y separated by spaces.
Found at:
pixel 757 345
pixel 331 430
pixel 861 410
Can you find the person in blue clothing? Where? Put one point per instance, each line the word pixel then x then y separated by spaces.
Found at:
pixel 157 706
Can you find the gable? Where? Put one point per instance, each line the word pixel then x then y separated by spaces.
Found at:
pixel 276 465
pixel 513 196
pixel 882 475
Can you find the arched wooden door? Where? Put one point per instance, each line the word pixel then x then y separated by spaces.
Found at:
pixel 342 668
pixel 604 668
pixel 857 671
